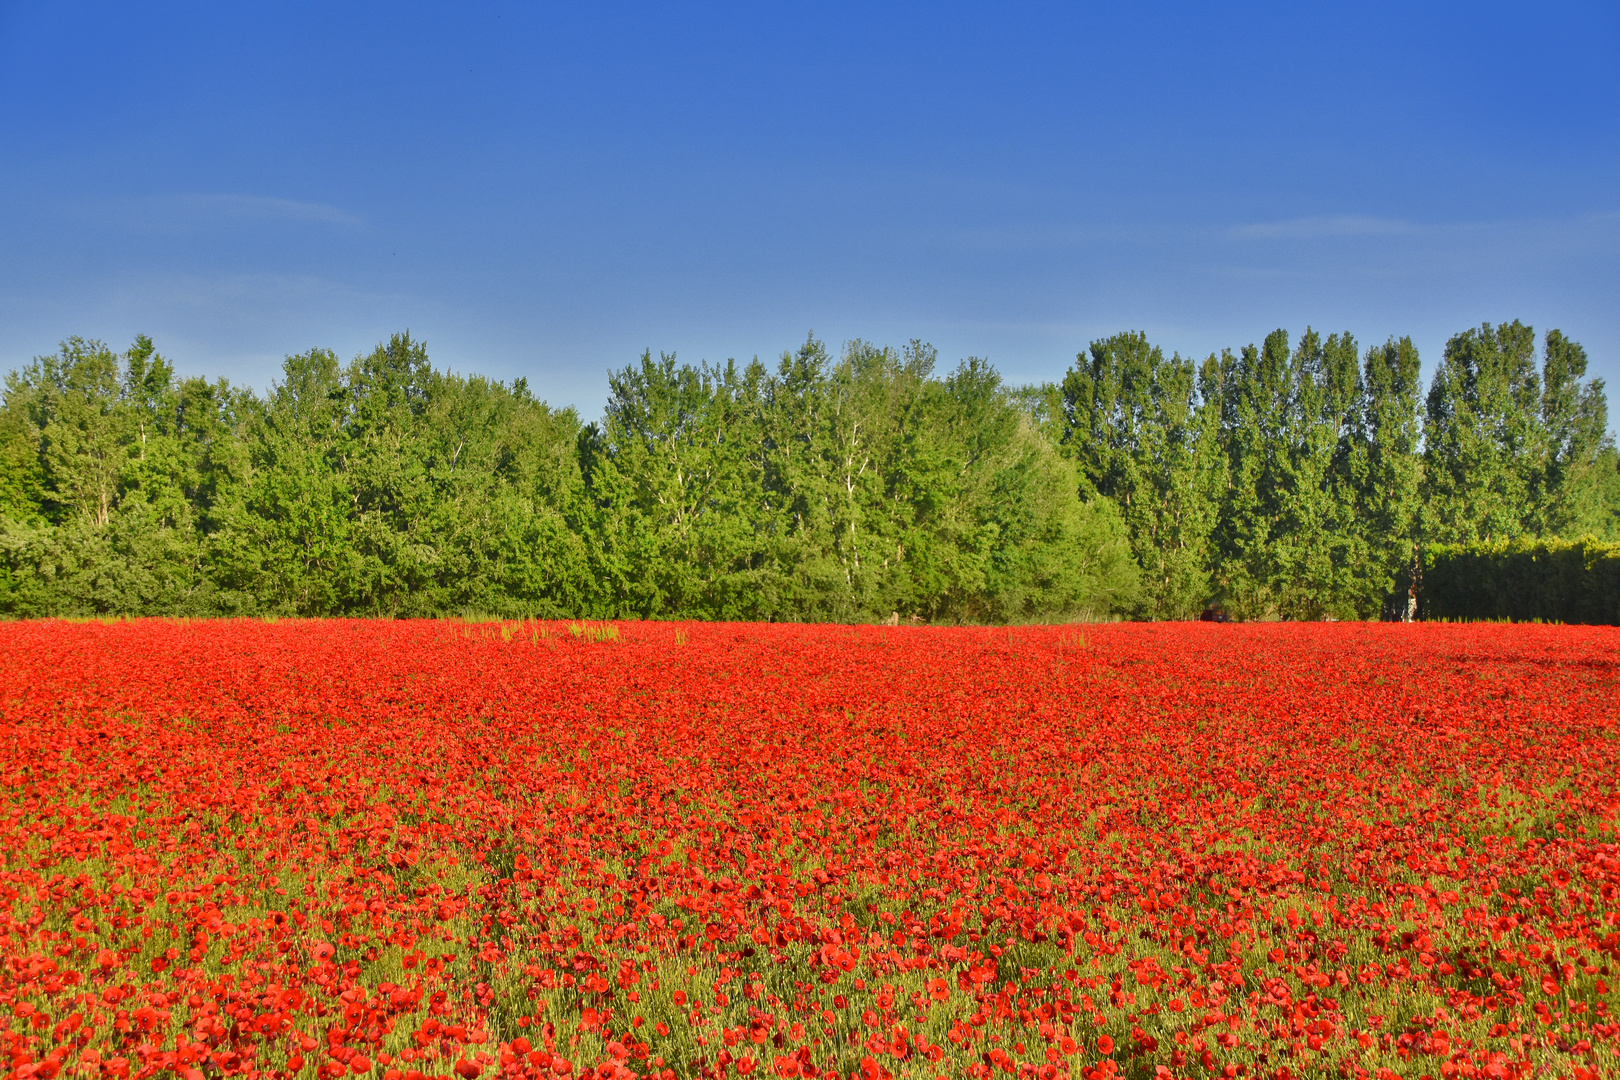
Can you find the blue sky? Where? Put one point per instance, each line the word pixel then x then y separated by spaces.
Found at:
pixel 545 191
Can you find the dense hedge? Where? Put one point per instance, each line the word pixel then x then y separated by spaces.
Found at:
pixel 1570 581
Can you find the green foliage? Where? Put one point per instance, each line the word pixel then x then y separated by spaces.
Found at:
pixel 386 488
pixel 1297 482
pixel 118 465
pixel 855 489
pixel 1509 450
pixel 1133 424
pixel 1575 581
pixel 1288 525
pixel 1382 467
pixel 860 489
pixel 1280 481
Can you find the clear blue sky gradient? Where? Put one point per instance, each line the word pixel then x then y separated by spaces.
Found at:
pixel 545 191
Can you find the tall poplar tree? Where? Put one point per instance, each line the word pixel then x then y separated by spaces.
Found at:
pixel 1141 435
pixel 1511 450
pixel 1287 531
pixel 1385 471
pixel 1255 386
pixel 1575 483
pixel 1482 436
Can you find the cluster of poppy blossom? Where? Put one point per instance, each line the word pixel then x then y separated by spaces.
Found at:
pixel 539 852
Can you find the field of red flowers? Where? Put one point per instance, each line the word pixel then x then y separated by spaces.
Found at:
pixel 401 850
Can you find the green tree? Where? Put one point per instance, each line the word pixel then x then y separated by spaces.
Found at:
pixel 675 471
pixel 1141 436
pixel 1321 546
pixel 806 579
pixel 1285 480
pixel 388 487
pixel 1385 471
pixel 507 498
pixel 1483 437
pixel 1574 486
pixel 1511 450
pixel 117 464
pixel 1287 533
pixel 287 539
pixel 855 489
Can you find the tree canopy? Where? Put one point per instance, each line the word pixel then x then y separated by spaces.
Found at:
pixel 1290 479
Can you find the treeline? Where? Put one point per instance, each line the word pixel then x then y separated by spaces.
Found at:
pixel 1286 480
pixel 1304 482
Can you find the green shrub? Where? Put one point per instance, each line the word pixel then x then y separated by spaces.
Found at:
pixel 1570 581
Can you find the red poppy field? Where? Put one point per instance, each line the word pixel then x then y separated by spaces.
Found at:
pixel 402 850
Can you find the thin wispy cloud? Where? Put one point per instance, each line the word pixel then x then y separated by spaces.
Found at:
pixel 266 296
pixel 1321 228
pixel 177 212
pixel 258 208
pixel 1565 234
pixel 1042 237
pixel 1586 232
